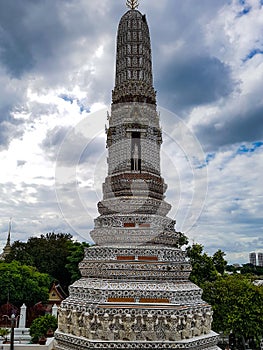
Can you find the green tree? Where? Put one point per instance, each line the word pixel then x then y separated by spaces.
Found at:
pixel 76 255
pixel 251 269
pixel 41 325
pixel 48 253
pixel 237 305
pixel 21 253
pixel 232 268
pixel 182 240
pixel 248 269
pixel 22 284
pixel 219 261
pixel 203 267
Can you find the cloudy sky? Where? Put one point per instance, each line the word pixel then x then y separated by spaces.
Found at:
pixel 56 76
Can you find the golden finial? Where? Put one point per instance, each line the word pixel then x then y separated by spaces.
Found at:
pixel 132 4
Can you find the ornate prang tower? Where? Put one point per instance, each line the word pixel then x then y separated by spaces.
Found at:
pixel 7 248
pixel 135 291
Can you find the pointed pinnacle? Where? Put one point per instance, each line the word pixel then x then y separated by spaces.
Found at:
pixel 132 4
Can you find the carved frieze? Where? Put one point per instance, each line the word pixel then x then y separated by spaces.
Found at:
pixel 137 328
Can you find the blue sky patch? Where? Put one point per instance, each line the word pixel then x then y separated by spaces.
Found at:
pixel 83 108
pixel 245 11
pixel 67 98
pixel 253 53
pixel 71 99
pixel 245 148
pixel 246 8
pixel 209 157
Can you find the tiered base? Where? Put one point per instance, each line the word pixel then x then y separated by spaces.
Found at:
pixel 69 342
pixel 135 298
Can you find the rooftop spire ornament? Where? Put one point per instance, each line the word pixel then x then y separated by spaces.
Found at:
pixel 132 4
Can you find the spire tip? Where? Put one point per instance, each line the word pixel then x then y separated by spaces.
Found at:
pixel 132 4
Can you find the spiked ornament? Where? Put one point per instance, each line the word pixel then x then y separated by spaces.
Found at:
pixel 132 4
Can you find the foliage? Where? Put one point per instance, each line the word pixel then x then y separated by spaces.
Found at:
pixel 251 269
pixel 219 261
pixel 237 305
pixel 49 254
pixel 21 253
pixel 246 269
pixel 4 332
pixel 41 325
pixel 76 255
pixel 183 240
pixel 232 268
pixel 204 267
pixel 22 284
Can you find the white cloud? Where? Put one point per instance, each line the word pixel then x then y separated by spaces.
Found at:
pixel 62 75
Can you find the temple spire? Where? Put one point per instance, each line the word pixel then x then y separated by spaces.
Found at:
pixel 7 248
pixel 9 233
pixel 132 4
pixel 134 78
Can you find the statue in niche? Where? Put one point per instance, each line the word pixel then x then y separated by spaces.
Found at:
pixel 75 329
pixel 62 320
pixel 104 332
pixel 173 333
pixel 136 157
pixel 127 332
pixel 187 326
pixel 117 326
pixel 207 320
pixel 197 330
pixel 81 323
pixel 138 326
pixel 69 322
pixel 161 327
pixel 150 323
pixel 88 322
